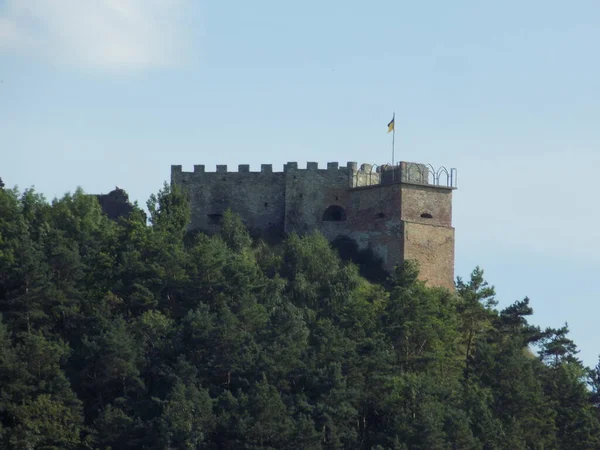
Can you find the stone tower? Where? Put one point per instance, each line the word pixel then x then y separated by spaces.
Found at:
pixel 402 212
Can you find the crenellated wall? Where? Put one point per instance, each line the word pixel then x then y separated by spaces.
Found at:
pixel 309 192
pixel 258 197
pixel 392 210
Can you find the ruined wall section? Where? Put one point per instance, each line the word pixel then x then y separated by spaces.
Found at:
pixel 310 192
pixel 366 175
pixel 257 197
pixel 115 204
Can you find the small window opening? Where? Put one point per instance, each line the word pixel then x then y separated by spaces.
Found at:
pixel 334 213
pixel 380 215
pixel 426 216
pixel 336 198
pixel 215 219
pixel 266 205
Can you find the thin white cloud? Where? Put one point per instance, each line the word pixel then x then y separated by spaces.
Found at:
pixel 105 34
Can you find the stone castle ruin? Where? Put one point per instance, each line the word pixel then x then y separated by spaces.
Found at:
pixel 401 212
pixel 115 204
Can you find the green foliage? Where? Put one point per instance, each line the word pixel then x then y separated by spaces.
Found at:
pixel 234 232
pixel 126 335
pixel 186 419
pixel 169 210
pixel 38 409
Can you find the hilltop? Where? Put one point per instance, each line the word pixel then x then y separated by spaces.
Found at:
pixel 118 333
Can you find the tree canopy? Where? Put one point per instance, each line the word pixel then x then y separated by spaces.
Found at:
pixel 133 335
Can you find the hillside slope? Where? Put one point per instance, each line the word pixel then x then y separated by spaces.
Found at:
pixel 123 335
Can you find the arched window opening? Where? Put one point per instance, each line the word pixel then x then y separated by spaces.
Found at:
pixel 426 216
pixel 334 213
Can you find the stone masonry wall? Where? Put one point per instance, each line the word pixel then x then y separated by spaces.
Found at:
pixel 366 175
pixel 433 247
pixel 257 197
pixel 308 193
pixel 430 205
pixel 374 221
pixel 428 233
pixel 115 204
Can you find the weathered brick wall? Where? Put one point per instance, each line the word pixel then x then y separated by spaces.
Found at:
pixel 374 221
pixel 433 247
pixel 428 233
pixel 419 202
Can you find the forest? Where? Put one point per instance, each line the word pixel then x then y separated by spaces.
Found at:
pixel 137 334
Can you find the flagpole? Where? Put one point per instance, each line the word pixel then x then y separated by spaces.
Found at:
pixel 393 137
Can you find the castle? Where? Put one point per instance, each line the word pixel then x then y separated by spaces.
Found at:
pixel 400 212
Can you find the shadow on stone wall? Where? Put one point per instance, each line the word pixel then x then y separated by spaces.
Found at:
pixel 370 266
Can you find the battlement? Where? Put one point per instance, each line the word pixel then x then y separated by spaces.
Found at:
pixel 350 166
pixel 365 175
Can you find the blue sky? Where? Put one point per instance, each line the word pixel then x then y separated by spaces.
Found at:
pixel 98 93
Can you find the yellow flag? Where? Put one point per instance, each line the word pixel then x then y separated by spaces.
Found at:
pixel 391 125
